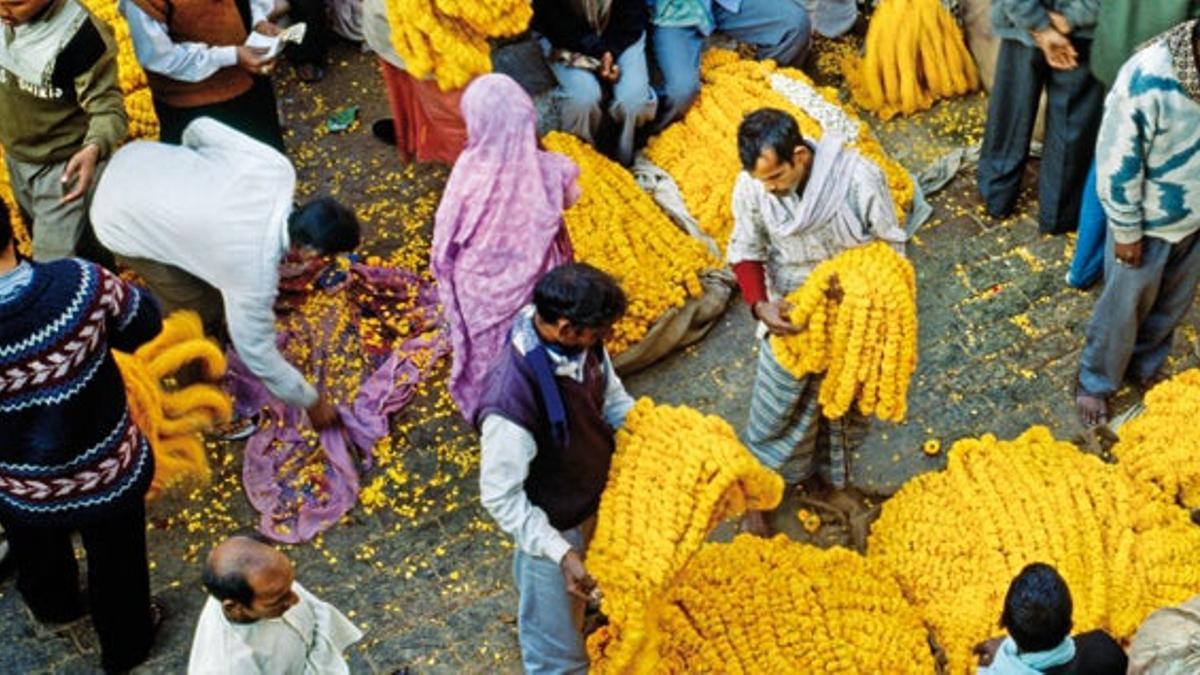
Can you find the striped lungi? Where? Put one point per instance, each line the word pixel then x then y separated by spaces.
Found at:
pixel 786 430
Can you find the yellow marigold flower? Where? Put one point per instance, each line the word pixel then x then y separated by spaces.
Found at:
pixel 619 229
pixel 675 475
pixel 866 342
pixel 143 122
pixel 20 229
pixel 932 447
pixel 810 521
pixel 776 606
pixel 955 539
pixel 1159 446
pixel 700 151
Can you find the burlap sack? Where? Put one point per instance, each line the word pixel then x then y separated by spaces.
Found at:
pixel 1168 642
pixel 682 326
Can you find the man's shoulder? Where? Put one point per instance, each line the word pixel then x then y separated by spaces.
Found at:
pixel 86 47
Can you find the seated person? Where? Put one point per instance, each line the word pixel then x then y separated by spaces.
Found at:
pixel 597 51
pixel 258 619
pixel 778 29
pixel 1037 616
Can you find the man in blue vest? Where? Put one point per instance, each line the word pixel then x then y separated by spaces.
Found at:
pixel 549 410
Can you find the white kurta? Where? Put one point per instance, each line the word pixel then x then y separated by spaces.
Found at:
pixel 308 639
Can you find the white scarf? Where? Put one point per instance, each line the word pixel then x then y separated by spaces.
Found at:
pixel 828 182
pixel 30 50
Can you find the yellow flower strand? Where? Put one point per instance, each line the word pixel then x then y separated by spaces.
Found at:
pixel 915 55
pixel 700 151
pixel 675 475
pixel 448 38
pixel 1159 447
pixel 866 344
pixel 20 229
pixel 174 421
pixel 139 106
pixel 1032 499
pixel 619 229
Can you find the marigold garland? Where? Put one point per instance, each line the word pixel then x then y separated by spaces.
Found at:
pixel 1032 499
pixel 174 421
pixel 618 228
pixel 700 151
pixel 1161 447
pixel 20 229
pixel 139 106
pixel 776 606
pixel 866 341
pixel 448 38
pixel 915 55
pixel 675 475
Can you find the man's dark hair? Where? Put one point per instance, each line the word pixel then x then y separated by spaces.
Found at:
pixel 230 586
pixel 324 224
pixel 768 128
pixel 6 228
pixel 1037 609
pixel 581 294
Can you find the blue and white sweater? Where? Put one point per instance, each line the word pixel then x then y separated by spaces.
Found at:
pixel 1148 152
pixel 70 453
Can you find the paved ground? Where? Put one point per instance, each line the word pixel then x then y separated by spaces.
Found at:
pixel 425 573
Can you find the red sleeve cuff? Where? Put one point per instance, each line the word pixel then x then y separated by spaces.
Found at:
pixel 752 280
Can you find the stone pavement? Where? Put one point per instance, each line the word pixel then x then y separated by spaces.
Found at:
pixel 423 570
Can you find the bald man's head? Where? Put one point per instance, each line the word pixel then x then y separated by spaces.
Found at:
pixel 251 579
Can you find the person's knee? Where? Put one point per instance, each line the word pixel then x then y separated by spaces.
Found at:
pixel 792 47
pixel 679 92
pixel 637 102
pixel 580 104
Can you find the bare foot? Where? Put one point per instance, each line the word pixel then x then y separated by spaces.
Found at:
pixel 1093 410
pixel 757 524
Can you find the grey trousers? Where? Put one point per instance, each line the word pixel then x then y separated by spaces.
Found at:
pixel 549 620
pixel 57 229
pixel 1075 105
pixel 1135 318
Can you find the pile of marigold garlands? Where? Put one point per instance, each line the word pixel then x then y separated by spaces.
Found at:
pixel 675 475
pixel 1161 447
pixel 139 105
pixel 915 55
pixel 700 151
pixel 619 229
pixel 858 315
pixel 173 421
pixel 955 539
pixel 448 39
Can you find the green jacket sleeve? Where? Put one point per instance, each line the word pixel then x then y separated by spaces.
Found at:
pixel 99 94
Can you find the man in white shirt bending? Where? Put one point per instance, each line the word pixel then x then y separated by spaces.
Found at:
pixel 258 619
pixel 206 224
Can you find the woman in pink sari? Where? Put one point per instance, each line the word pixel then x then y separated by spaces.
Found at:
pixel 499 227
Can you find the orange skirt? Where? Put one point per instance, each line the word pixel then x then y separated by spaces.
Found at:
pixel 429 125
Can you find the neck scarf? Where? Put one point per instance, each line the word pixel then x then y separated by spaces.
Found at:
pixel 30 50
pixel 1010 661
pixel 828 183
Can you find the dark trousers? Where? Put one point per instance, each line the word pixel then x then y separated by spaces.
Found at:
pixel 254 113
pixel 118 580
pixel 1075 106
pixel 316 34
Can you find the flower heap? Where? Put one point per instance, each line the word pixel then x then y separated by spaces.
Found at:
pixel 1032 499
pixel 619 229
pixel 139 106
pixel 1158 448
pixel 448 39
pixel 20 230
pixel 675 475
pixel 864 338
pixel 173 420
pixel 776 606
pixel 915 55
pixel 700 151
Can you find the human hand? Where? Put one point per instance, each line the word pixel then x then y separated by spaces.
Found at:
pixel 80 172
pixel 322 414
pixel 1060 23
pixel 774 315
pixel 1057 48
pixel 267 28
pixel 254 60
pixel 1129 255
pixel 580 584
pixel 609 70
pixel 986 650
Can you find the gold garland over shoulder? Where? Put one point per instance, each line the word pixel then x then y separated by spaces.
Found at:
pixel 700 151
pixel 20 228
pixel 618 228
pixel 139 105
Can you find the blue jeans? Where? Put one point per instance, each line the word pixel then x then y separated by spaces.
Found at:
pixel 779 29
pixel 633 100
pixel 1087 265
pixel 549 620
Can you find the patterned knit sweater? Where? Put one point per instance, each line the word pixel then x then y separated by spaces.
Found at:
pixel 69 451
